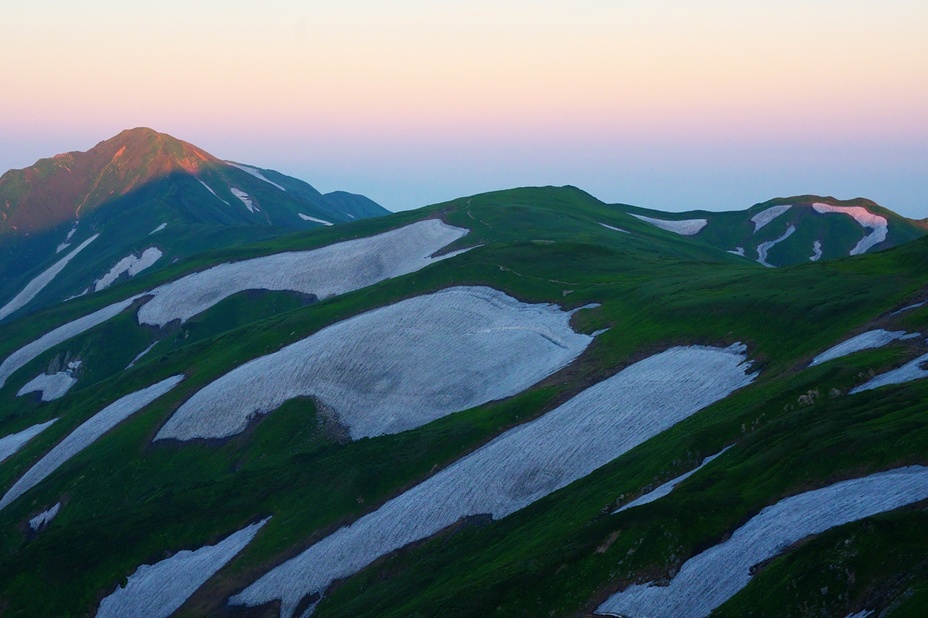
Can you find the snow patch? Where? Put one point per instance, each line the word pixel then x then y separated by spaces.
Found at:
pixel 909 308
pixel 714 576
pixel 395 368
pixel 140 355
pixel 313 219
pixel 44 518
pixel 246 199
pixel 612 227
pixel 208 188
pixel 256 173
pixel 816 251
pixel 158 590
pixel 667 487
pixel 866 219
pixel 764 247
pixel 737 251
pixel 13 442
pixel 913 370
pixel 519 467
pixel 86 434
pixel 131 265
pixel 163 225
pixel 688 227
pixel 67 240
pixel 766 216
pixel 52 386
pixel 865 341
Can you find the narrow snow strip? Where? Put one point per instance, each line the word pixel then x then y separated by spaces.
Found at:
pixel 313 219
pixel 158 590
pixel 44 518
pixel 327 271
pixel 38 284
pixel 766 216
pixel 764 247
pixel 86 434
pixel 256 173
pixel 208 188
pixel 130 265
pixel 909 308
pixel 913 370
pixel 52 386
pixel 866 219
pixel 140 355
pixel 737 251
pixel 816 251
pixel 246 199
pixel 714 576
pixel 864 341
pixel 164 225
pixel 395 368
pixel 612 227
pixel 667 487
pixel 13 442
pixel 67 240
pixel 519 467
pixel 688 227
pixel 861 614
pixel 47 341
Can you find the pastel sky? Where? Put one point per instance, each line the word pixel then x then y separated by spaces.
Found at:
pixel 667 104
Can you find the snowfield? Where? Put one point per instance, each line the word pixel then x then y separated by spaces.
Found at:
pixel 667 487
pixel 714 576
pixel 908 308
pixel 816 251
pixel 162 226
pixel 256 173
pixel 158 590
pixel 314 219
pixel 688 227
pixel 520 466
pixel 41 280
pixel 130 265
pixel 246 199
pixel 878 225
pixel 13 442
pixel 766 216
pixel 613 228
pixel 327 271
pixel 395 368
pixel 865 341
pixel 67 240
pixel 52 386
pixel 764 247
pixel 86 434
pixel 140 355
pixel 913 370
pixel 736 251
pixel 210 189
pixel 44 518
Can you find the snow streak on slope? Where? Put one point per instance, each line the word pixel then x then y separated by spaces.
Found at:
pixel 38 284
pixel 327 271
pixel 67 240
pixel 314 219
pixel 766 216
pixel 816 251
pixel 395 368
pixel 667 487
pixel 688 227
pixel 714 576
pixel 612 227
pixel 44 518
pixel 864 341
pixel 86 434
pixel 52 386
pixel 140 355
pixel 162 226
pixel 13 442
pixel 158 590
pixel 866 219
pixel 913 370
pixel 519 467
pixel 208 188
pixel 131 265
pixel 764 247
pixel 246 199
pixel 737 251
pixel 256 173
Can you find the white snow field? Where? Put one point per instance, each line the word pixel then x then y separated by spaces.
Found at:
pixel 520 466
pixel 158 590
pixel 13 442
pixel 52 338
pixel 764 247
pixel 395 368
pixel 67 240
pixel 41 280
pixel 130 265
pixel 256 173
pixel 314 219
pixel 737 251
pixel 913 370
pixel 667 487
pixel 613 228
pixel 687 227
pixel 210 189
pixel 877 224
pixel 86 434
pixel 162 226
pixel 327 271
pixel 44 518
pixel 714 576
pixel 140 355
pixel 52 387
pixel 908 308
pixel 766 216
pixel 861 614
pixel 864 341
pixel 816 251
pixel 246 199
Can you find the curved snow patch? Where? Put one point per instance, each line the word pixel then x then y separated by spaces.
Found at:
pixel 44 518
pixel 714 576
pixel 13 442
pixel 52 386
pixel 766 216
pixel 158 590
pixel 130 265
pixel 764 247
pixel 612 227
pixel 866 219
pixel 246 199
pixel 816 251
pixel 395 368
pixel 314 219
pixel 67 240
pixel 520 466
pixel 736 251
pixel 864 341
pixel 163 225
pixel 327 271
pixel 256 173
pixel 687 227
pixel 86 434
pixel 908 308
pixel 667 487
pixel 913 370
pixel 43 279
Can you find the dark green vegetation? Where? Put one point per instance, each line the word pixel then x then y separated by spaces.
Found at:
pixel 128 501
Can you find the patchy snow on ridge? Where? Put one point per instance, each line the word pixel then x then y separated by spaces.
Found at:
pixel 86 434
pixel 52 386
pixel 519 467
pixel 764 247
pixel 13 442
pixel 327 271
pixel 256 173
pixel 614 228
pixel 714 576
pixel 864 341
pixel 246 199
pixel 131 265
pixel 41 280
pixel 816 251
pixel 667 487
pixel 395 368
pixel 687 227
pixel 913 370
pixel 158 590
pixel 44 518
pixel 314 219
pixel 866 219
pixel 766 216
pixel 163 225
